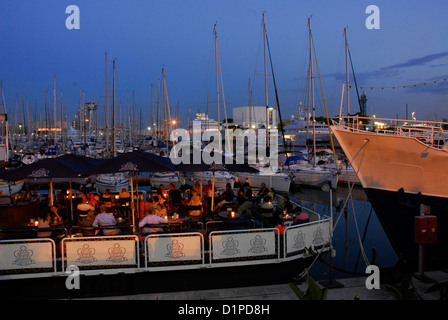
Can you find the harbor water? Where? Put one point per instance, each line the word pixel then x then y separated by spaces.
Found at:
pixel 358 239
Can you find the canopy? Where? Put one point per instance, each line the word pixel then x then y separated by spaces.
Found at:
pixel 66 166
pixel 135 161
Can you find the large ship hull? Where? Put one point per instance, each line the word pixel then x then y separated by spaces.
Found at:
pixel 399 174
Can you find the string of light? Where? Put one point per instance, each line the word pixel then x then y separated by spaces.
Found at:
pixel 404 86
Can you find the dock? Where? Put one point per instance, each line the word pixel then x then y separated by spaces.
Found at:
pixel 432 286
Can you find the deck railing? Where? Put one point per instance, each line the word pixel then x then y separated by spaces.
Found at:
pixel 31 258
pixel 430 132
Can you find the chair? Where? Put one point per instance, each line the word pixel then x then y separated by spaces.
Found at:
pixel 124 207
pixel 195 213
pixel 81 214
pixel 268 217
pixel 107 201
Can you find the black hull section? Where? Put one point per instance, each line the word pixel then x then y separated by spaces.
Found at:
pixel 397 211
pixel 156 281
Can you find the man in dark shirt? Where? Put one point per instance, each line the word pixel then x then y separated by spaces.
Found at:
pixel 244 199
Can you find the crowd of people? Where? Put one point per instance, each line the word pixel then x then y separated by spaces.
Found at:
pixel 194 204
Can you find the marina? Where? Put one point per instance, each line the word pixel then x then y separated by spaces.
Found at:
pixel 201 152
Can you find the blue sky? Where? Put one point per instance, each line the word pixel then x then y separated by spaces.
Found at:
pixel 410 48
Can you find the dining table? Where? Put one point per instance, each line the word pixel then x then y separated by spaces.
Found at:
pixel 229 215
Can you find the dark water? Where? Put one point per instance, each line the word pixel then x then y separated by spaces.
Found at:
pixel 357 226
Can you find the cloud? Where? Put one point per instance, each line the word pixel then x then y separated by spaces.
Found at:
pixel 395 69
pixel 418 61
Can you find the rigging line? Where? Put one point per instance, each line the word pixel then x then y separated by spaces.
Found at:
pixel 352 185
pixel 354 79
pixel 307 270
pixel 323 97
pixel 361 247
pixel 276 95
pixel 365 232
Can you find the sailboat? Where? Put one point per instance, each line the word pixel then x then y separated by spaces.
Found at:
pixel 305 173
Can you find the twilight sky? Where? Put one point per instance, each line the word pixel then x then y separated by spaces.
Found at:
pixel 144 36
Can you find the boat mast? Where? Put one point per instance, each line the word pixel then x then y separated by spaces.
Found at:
pixel 346 71
pixel 133 119
pixel 62 123
pixel 114 148
pixel 217 85
pixel 106 107
pixel 266 82
pixel 312 92
pixel 55 119
pixel 164 107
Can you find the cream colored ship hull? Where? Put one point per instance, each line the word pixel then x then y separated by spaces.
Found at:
pixel 389 162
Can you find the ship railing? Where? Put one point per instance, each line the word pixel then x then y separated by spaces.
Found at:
pixel 433 133
pixel 30 258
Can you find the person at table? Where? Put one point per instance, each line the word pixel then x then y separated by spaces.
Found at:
pixel 161 191
pixel 196 188
pixel 105 218
pixel 83 208
pixel 226 197
pixel 88 222
pixel 301 217
pixel 94 202
pixel 244 199
pixel 160 210
pixel 174 195
pixel 287 205
pixel 209 191
pixel 267 211
pixel 124 194
pixel 107 198
pixel 85 205
pixel 262 192
pixel 195 201
pixel 44 219
pixel 271 193
pixel 151 218
pixel 55 217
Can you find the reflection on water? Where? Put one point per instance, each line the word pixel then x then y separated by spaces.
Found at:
pixel 358 235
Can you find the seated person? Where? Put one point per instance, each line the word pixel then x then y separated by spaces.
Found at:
pixel 208 189
pixel 301 217
pixel 107 198
pixel 244 199
pixel 226 197
pixel 271 193
pixel 267 211
pixel 124 194
pixel 151 218
pixel 161 191
pixel 105 219
pixel 44 219
pixel 88 222
pixel 160 210
pixel 194 202
pixel 287 205
pixel 84 205
pixel 174 194
pixel 92 200
pixel 262 192
pixel 55 217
